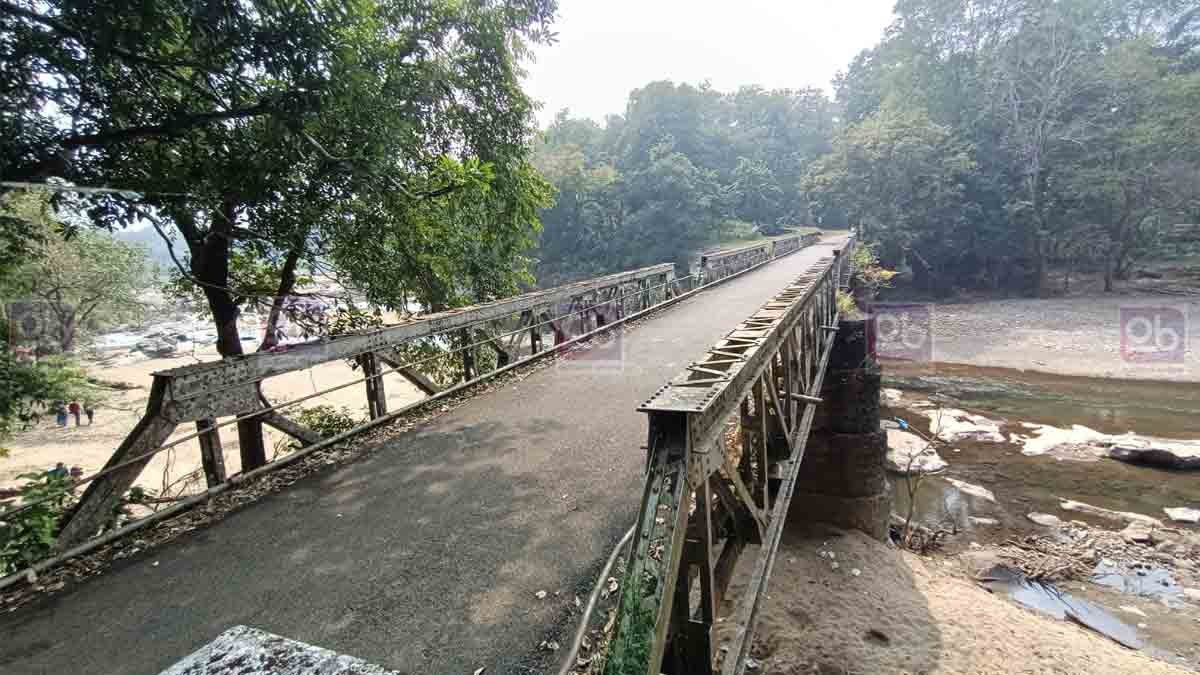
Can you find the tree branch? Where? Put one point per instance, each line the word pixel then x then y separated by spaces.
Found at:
pixel 173 127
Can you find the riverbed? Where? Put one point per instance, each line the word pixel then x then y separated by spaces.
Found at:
pixel 1024 484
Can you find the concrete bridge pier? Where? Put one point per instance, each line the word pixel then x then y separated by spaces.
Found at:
pixel 843 479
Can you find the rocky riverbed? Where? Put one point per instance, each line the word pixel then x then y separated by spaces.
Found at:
pixel 1049 482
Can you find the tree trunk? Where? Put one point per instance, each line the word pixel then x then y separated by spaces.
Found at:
pixel 210 266
pixel 287 283
pixel 67 326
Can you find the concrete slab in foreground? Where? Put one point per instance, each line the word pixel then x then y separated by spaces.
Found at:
pixel 249 651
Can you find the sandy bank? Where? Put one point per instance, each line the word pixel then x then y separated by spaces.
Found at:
pixel 90 446
pixel 1069 336
pixel 906 614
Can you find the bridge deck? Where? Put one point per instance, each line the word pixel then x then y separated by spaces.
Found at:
pixel 424 557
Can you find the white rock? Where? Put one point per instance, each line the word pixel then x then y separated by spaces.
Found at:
pixel 1125 516
pixel 1048 438
pixel 909 453
pixel 1183 514
pixel 973 490
pixel 985 522
pixel 1192 594
pixel 1139 533
pixel 1132 610
pixel 958 425
pixel 855 572
pixel 540 595
pixel 1045 519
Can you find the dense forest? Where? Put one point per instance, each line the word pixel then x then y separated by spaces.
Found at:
pixel 979 143
pixel 685 167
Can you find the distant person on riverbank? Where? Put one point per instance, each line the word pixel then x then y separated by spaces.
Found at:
pixel 60 413
pixel 75 410
pixel 89 409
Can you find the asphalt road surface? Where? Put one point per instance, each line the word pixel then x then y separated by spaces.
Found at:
pixel 425 556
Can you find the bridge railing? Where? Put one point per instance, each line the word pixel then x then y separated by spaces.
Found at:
pixel 515 331
pixel 726 438
pixel 716 265
pixel 504 331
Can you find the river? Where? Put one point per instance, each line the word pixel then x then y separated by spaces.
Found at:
pixel 1025 484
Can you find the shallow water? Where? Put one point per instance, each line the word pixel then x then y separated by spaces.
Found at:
pixel 1049 600
pixel 1025 484
pixel 1164 409
pixel 1147 581
pixel 1060 604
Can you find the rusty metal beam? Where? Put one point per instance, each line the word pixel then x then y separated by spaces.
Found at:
pixel 225 387
pixel 416 377
pixel 767 374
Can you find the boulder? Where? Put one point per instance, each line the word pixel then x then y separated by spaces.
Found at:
pixel 958 425
pixel 1160 452
pixel 1045 519
pixel 908 454
pixel 1138 532
pixel 1124 516
pixel 1183 514
pixel 156 347
pixel 973 490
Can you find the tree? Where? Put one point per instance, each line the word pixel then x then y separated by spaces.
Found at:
pixel 1062 106
pixel 670 176
pixel 901 179
pixel 271 130
pixel 28 386
pixel 81 278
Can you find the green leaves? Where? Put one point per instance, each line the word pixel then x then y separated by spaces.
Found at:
pixel 28 536
pixel 1046 117
pixel 266 132
pixel 661 182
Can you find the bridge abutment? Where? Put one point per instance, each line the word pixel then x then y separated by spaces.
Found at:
pixel 842 479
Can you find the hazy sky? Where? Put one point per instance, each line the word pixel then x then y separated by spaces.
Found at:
pixel 607 48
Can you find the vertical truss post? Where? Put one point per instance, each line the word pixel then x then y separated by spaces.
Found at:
pixel 468 356
pixel 376 396
pixel 535 333
pixel 212 455
pixel 251 447
pixel 697 628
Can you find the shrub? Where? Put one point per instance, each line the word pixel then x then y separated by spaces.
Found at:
pixel 28 536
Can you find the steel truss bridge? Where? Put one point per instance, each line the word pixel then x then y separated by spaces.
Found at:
pixel 705 499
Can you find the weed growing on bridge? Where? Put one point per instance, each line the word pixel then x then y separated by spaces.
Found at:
pixel 326 420
pixel 631 650
pixel 28 536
